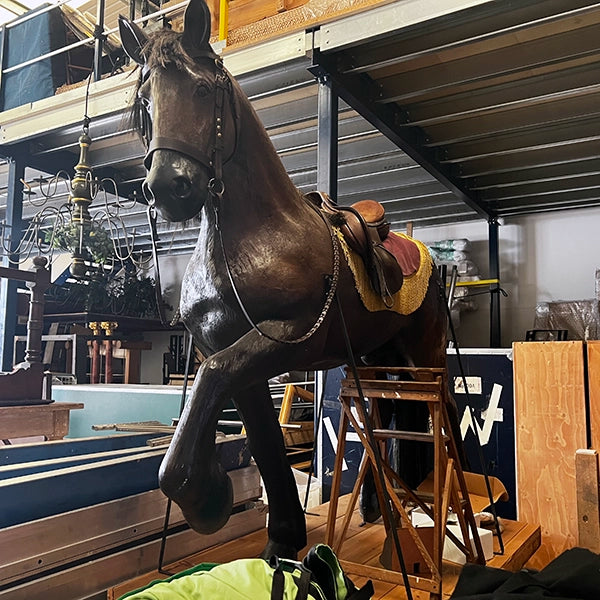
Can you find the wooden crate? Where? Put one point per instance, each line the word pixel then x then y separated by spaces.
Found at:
pixel 550 414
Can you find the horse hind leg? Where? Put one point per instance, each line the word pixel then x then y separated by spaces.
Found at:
pixel 287 525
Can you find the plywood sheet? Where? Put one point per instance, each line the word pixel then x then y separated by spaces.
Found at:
pixel 593 356
pixel 550 427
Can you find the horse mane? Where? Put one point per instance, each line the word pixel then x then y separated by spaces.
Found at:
pixel 164 48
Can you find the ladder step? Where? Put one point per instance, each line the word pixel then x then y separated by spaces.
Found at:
pixel 424 391
pixel 416 436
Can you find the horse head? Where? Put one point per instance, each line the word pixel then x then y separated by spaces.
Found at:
pixel 189 98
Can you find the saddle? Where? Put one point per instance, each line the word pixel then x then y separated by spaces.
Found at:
pixel 364 227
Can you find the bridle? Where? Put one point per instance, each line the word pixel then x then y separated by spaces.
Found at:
pixel 214 160
pixel 216 188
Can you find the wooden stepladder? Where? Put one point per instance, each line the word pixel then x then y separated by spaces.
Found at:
pixel 445 489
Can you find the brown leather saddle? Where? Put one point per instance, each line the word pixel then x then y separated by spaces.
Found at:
pixel 363 226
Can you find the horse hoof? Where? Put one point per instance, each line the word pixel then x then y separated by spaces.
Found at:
pixel 208 508
pixel 280 550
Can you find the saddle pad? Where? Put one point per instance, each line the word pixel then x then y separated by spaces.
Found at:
pixel 413 290
pixel 405 251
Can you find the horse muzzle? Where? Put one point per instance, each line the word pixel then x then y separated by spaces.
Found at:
pixel 173 183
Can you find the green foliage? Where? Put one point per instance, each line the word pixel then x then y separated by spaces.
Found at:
pixel 97 243
pixel 125 295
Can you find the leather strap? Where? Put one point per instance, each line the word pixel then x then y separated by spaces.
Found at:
pixel 178 145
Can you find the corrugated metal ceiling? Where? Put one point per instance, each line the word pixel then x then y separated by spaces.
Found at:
pixel 502 101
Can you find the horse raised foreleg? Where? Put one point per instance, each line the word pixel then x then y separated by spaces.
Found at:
pixel 287 527
pixel 190 474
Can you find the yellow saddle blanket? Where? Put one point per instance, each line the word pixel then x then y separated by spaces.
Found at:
pixel 413 290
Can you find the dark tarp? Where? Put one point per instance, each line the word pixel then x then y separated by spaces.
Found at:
pixel 574 575
pixel 30 39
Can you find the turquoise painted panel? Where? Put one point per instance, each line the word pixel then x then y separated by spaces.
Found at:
pixel 104 404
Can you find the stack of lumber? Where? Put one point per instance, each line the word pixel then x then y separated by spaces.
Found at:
pixel 80 515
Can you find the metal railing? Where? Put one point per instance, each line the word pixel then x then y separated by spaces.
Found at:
pixel 97 38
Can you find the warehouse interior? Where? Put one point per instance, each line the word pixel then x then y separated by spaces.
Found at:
pixel 473 123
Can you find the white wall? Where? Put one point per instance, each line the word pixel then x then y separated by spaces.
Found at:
pixel 543 257
pixel 172 269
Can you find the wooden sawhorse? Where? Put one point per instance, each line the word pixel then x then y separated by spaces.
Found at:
pixel 449 488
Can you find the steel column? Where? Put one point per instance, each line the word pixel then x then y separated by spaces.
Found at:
pixel 494 268
pixel 327 138
pixel 8 287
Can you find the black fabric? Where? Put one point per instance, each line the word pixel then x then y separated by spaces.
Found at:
pixel 30 39
pixel 278 585
pixel 365 592
pixel 574 575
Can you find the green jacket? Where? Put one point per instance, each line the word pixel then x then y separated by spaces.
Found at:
pixel 319 577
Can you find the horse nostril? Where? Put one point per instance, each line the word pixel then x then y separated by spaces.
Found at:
pixel 182 187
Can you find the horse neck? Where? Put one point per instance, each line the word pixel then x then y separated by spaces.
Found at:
pixel 263 185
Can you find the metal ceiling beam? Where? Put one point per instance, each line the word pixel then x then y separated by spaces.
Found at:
pixel 361 94
pixel 512 24
pixel 526 159
pixel 525 140
pixel 537 175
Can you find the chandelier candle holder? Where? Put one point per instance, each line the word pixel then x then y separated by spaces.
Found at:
pixel 81 197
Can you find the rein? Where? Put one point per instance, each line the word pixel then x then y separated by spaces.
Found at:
pixel 328 300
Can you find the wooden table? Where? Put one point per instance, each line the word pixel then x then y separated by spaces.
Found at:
pixel 49 420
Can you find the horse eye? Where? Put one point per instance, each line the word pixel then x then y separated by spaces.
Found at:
pixel 202 89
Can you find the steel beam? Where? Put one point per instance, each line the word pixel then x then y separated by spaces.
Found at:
pixel 361 93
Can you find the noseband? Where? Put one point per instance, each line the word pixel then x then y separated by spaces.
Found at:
pixel 213 161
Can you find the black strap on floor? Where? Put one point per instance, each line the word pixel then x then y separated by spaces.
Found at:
pixel 379 467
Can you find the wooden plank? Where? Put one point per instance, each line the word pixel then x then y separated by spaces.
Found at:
pixel 72 487
pixel 588 499
pixel 95 576
pixel 37 546
pixel 21 453
pixel 519 546
pixel 52 464
pixel 49 420
pixel 593 356
pixel 550 426
pixel 43 494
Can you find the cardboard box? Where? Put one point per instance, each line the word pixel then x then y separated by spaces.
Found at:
pixel 451 551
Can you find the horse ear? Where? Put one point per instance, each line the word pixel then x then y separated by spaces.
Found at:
pixel 133 40
pixel 196 31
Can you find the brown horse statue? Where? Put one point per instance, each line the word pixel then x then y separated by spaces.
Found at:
pixel 258 293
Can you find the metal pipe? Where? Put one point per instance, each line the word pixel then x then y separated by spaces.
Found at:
pixel 99 35
pixel 494 272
